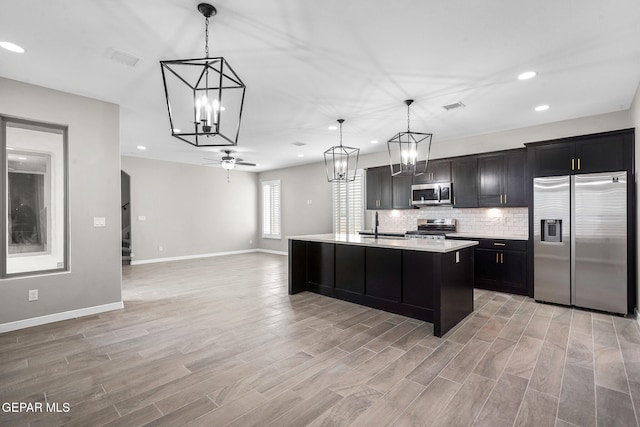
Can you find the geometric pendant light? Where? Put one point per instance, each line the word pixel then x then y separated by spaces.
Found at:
pixel 204 96
pixel 341 162
pixel 409 151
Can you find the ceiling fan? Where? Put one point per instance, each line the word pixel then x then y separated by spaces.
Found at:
pixel 229 162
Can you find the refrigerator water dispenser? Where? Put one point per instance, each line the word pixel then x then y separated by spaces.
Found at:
pixel 551 230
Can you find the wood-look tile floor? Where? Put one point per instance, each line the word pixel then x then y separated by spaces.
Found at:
pixel 218 341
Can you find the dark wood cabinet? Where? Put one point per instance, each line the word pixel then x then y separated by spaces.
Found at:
pixel 604 152
pixel 387 192
pixel 502 179
pixel 320 268
pixel 349 267
pixel 437 171
pixel 464 179
pixel 401 191
pixel 384 273
pixel 501 265
pixel 433 287
pixel 379 188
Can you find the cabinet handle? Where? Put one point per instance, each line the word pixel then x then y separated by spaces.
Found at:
pixel 578 163
pixel 505 199
pixel 572 163
pixel 501 258
pixel 497 257
pixel 501 199
pixel 499 244
pixel 454 200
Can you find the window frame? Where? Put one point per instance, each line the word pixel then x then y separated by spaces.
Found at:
pixel 275 183
pixel 62 130
pixel 360 177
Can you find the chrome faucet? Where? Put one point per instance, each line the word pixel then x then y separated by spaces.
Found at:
pixel 375 232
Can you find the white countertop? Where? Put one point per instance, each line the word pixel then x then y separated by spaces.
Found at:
pixel 488 236
pixel 425 245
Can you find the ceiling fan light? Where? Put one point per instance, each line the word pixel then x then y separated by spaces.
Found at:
pixel 228 164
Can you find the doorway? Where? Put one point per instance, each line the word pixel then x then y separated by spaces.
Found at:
pixel 125 210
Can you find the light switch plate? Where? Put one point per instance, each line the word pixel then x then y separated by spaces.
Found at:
pixel 99 221
pixel 33 295
pixel 142 218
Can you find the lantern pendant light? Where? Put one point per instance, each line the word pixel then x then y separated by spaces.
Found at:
pixel 341 162
pixel 204 96
pixel 409 151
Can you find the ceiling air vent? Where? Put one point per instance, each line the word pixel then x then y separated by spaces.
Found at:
pixel 298 144
pixel 453 106
pixel 122 57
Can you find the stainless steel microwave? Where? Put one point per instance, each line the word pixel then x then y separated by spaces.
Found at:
pixel 431 194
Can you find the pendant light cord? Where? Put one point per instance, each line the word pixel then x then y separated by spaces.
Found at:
pixel 340 134
pixel 206 37
pixel 408 118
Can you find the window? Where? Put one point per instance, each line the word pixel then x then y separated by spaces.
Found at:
pixel 271 209
pixel 34 202
pixel 348 205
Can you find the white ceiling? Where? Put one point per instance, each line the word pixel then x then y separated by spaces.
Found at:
pixel 307 63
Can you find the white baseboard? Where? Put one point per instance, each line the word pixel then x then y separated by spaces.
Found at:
pixel 268 251
pixel 56 317
pixel 185 257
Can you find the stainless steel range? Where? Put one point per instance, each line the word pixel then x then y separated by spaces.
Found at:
pixel 435 229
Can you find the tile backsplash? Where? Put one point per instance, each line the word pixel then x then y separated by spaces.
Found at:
pixel 495 221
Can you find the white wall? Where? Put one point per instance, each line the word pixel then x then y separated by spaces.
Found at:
pixel 190 210
pixel 634 113
pixel 94 278
pixel 309 181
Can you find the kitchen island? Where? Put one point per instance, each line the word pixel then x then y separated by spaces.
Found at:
pixel 430 280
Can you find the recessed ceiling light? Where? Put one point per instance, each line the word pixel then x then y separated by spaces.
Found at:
pixel 527 75
pixel 11 47
pixel 141 147
pixel 300 155
pixel 22 158
pixel 374 141
pixel 332 127
pixel 176 130
pixel 542 108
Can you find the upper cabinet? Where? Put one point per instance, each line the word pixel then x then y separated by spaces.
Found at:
pixel 501 179
pixel 437 171
pixel 605 152
pixel 379 188
pixel 464 181
pixel 401 192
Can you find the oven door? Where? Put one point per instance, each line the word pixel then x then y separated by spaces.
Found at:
pixel 425 194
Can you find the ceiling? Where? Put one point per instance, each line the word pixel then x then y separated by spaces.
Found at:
pixel 307 63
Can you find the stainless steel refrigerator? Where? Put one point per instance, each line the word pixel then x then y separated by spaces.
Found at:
pixel 580 240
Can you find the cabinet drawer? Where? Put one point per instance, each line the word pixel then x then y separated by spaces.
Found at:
pixel 502 244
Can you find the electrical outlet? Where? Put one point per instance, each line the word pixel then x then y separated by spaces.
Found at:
pixel 250 242
pixel 161 248
pixel 33 295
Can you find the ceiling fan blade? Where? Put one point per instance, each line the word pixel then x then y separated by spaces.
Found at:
pixel 245 164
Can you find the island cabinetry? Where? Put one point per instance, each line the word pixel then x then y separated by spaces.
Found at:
pixel 384 274
pixel 320 264
pixel 502 179
pixel 349 264
pixel 434 286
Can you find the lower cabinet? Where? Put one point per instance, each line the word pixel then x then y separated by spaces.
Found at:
pixel 350 268
pixel 501 265
pixel 384 273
